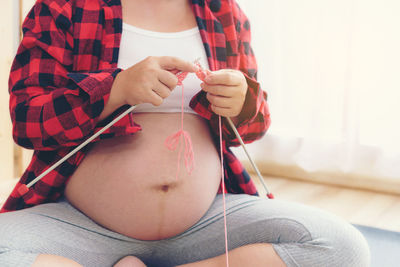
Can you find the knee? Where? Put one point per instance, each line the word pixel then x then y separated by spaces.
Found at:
pixel 12 243
pixel 350 247
pixel 6 231
pixel 327 241
pixel 13 231
pixel 338 244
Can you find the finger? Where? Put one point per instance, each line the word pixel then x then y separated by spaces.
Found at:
pixel 155 99
pixel 168 79
pixel 225 112
pixel 162 90
pixel 224 78
pixel 219 101
pixel 174 63
pixel 221 90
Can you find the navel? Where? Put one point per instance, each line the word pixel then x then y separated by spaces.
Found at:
pixel 165 188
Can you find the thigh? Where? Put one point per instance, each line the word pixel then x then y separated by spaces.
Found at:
pixel 301 235
pixel 60 229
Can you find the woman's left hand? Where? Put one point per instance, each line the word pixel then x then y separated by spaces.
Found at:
pixel 226 90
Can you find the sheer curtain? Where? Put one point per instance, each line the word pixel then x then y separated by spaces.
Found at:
pixel 332 71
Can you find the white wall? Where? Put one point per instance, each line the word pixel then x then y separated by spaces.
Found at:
pixel 332 70
pixel 10 33
pixel 8 25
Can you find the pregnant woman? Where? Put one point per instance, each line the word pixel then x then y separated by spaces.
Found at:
pixel 120 201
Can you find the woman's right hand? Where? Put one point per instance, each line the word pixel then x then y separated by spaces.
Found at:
pixel 149 81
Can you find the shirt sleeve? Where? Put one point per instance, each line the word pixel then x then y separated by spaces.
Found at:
pixel 51 105
pixel 254 119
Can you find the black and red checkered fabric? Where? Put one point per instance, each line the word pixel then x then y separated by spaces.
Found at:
pixel 62 74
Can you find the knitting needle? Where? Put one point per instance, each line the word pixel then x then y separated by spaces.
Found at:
pixel 269 194
pixel 23 189
pixel 196 61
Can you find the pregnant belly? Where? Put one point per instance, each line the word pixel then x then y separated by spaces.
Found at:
pixel 128 184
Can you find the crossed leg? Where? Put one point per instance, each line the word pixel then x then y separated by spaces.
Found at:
pixel 249 255
pixel 257 228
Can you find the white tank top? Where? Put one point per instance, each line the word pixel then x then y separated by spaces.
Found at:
pixel 137 44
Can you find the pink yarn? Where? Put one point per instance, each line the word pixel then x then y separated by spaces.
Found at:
pixel 172 141
pixel 202 74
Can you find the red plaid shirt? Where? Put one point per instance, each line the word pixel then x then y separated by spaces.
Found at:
pixel 62 75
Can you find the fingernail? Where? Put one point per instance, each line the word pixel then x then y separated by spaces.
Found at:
pixel 207 79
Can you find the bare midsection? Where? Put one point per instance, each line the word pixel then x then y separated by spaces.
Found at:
pixel 128 184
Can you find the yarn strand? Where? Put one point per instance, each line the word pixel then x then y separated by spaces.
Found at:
pixel 173 140
pixel 223 192
pixel 201 74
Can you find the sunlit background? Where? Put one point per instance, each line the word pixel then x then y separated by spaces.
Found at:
pixel 332 72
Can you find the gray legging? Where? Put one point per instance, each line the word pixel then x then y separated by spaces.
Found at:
pixel 301 235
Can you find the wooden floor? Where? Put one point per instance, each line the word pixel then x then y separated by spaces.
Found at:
pixel 355 206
